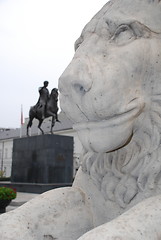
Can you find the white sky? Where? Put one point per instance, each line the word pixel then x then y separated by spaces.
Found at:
pixel 36 44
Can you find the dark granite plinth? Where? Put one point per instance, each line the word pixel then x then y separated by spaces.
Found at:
pixel 44 159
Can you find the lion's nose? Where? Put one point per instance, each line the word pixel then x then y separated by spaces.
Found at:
pixel 75 79
pixel 81 86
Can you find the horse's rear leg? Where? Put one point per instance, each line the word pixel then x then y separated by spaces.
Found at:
pixel 29 125
pixel 39 126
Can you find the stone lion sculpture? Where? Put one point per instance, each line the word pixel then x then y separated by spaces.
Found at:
pixel 112 92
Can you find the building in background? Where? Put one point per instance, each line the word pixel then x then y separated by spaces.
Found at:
pixel 62 128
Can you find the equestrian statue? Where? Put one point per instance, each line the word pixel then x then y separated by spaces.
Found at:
pixel 45 107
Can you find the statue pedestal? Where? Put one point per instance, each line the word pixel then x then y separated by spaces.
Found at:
pixel 41 163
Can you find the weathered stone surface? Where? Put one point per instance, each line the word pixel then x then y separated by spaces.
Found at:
pixel 112 91
pixel 49 216
pixel 140 222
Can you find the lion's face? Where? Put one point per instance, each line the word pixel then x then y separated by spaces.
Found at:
pixel 102 90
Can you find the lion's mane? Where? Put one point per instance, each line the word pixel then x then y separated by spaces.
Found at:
pixel 122 174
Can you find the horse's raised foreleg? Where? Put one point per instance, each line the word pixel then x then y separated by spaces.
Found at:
pixel 53 123
pixel 39 126
pixel 29 125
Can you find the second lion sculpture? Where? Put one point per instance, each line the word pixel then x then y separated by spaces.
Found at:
pixel 112 92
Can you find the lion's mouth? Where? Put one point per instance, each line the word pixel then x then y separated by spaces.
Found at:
pixel 109 134
pixel 113 121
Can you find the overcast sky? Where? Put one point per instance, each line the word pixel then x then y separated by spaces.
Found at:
pixel 36 44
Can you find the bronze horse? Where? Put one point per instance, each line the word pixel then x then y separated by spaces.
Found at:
pixel 51 110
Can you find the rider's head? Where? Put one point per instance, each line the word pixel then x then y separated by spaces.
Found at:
pixel 46 83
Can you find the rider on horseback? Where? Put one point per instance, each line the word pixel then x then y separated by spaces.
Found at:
pixel 43 98
pixel 47 106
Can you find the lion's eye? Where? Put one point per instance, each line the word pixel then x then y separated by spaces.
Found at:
pixel 123 35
